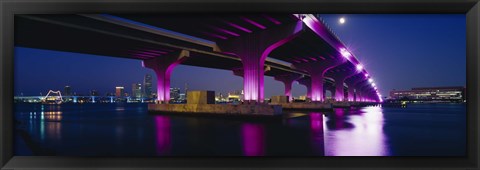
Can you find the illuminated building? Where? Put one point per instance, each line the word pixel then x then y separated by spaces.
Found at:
pixel 119 92
pixel 430 94
pixel 235 96
pixel 137 90
pixel 174 94
pixel 147 83
pixel 182 97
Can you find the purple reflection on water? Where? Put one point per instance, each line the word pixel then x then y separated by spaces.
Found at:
pixel 365 139
pixel 164 140
pixel 316 124
pixel 253 139
pixel 339 113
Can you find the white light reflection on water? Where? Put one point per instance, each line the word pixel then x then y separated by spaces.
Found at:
pixel 363 136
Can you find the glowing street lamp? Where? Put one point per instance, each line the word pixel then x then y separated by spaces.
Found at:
pixel 359 67
pixel 370 80
pixel 345 53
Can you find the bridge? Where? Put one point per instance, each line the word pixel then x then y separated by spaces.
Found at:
pixel 288 47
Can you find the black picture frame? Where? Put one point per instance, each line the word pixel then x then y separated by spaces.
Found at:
pixel 10 8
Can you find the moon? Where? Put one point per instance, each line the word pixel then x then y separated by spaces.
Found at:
pixel 341 20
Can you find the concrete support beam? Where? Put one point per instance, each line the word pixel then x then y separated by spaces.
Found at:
pixel 287 81
pixel 368 93
pixel 340 75
pixel 163 67
pixel 253 49
pixel 330 88
pixel 317 72
pixel 340 88
pixel 307 82
pixel 360 91
pixel 352 83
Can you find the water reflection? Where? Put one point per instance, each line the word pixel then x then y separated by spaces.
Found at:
pixel 49 118
pixel 316 124
pixel 364 138
pixel 253 139
pixel 338 120
pixel 53 130
pixel 163 134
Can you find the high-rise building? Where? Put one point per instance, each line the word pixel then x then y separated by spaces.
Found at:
pixel 147 83
pixel 137 90
pixel 119 92
pixel 67 91
pixel 175 94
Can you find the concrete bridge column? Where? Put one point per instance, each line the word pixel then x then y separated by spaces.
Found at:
pixel 253 49
pixel 339 78
pixel 368 93
pixel 163 67
pixel 352 83
pixel 287 80
pixel 307 82
pixel 360 90
pixel 317 72
pixel 329 88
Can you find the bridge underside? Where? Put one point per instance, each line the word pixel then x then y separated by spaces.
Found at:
pixel 107 36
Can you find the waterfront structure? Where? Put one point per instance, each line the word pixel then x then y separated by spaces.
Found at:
pixel 456 93
pixel 137 90
pixel 221 98
pixel 248 45
pixel 236 95
pixel 182 97
pixel 175 94
pixel 119 91
pixel 147 86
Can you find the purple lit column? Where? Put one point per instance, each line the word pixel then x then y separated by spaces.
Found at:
pixel 317 71
pixel 367 92
pixel 351 83
pixel 329 87
pixel 359 91
pixel 253 48
pixel 307 82
pixel 287 80
pixel 163 67
pixel 339 74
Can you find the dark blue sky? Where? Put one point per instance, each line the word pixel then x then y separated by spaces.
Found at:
pixel 399 51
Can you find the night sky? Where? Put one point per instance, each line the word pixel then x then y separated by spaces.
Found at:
pixel 399 51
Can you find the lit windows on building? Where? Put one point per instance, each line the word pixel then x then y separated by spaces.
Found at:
pixel 174 94
pixel 430 94
pixel 137 90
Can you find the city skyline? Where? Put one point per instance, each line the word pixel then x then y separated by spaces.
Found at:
pixel 395 61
